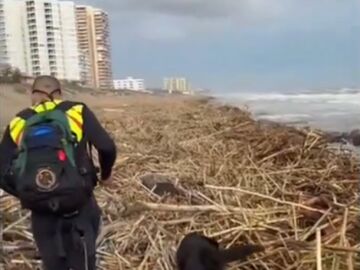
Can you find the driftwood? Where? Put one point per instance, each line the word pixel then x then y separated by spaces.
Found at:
pixel 239 181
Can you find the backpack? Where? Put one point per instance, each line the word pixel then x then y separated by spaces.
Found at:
pixel 47 178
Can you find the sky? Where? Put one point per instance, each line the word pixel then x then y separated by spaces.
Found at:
pixel 237 45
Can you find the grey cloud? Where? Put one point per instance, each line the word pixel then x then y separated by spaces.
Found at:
pixel 192 8
pixel 174 19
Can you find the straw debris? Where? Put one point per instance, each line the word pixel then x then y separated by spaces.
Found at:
pixel 190 165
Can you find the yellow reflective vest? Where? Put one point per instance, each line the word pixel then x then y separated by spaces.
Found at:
pixel 74 115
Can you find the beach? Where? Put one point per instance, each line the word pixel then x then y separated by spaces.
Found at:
pixel 233 178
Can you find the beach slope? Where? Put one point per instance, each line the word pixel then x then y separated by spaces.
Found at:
pixel 215 170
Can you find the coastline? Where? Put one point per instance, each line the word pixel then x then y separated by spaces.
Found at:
pixel 340 139
pixel 235 178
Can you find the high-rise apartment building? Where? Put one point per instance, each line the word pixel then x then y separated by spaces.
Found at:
pixel 51 39
pixel 41 37
pixel 70 43
pixel 94 44
pixel 11 34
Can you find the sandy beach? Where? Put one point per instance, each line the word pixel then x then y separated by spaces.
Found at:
pixel 232 178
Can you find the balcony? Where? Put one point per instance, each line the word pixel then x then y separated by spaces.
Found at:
pixel 31 21
pixel 30 3
pixel 30 10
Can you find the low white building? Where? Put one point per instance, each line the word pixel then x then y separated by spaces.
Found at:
pixel 180 85
pixel 130 84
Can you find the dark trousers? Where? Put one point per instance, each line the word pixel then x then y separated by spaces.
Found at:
pixel 68 243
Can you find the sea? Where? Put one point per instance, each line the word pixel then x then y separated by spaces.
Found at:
pixel 328 110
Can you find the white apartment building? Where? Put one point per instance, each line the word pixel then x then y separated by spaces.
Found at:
pixel 130 84
pixel 46 38
pixel 11 35
pixel 71 52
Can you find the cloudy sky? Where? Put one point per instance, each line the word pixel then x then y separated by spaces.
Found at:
pixel 237 45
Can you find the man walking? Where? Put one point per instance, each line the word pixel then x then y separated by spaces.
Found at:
pixel 46 164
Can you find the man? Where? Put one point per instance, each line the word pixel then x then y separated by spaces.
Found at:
pixel 66 240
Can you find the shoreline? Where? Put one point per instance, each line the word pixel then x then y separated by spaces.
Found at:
pixel 218 159
pixel 337 138
pixel 350 139
pixel 330 111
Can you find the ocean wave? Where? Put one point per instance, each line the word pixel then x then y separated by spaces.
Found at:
pixel 285 117
pixel 339 97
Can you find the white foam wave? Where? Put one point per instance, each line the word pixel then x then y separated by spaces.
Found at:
pixel 343 98
pixel 286 117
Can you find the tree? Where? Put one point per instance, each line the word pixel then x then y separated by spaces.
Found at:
pixel 10 75
pixel 16 76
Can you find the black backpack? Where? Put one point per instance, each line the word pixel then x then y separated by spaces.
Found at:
pixel 46 175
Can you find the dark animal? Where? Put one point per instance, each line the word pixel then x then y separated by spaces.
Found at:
pixel 198 252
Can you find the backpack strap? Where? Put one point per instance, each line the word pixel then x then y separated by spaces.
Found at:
pixel 64 106
pixel 26 114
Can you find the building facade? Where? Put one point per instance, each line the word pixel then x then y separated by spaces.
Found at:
pixel 130 84
pixel 177 85
pixel 71 53
pixel 94 43
pixel 12 44
pixel 40 38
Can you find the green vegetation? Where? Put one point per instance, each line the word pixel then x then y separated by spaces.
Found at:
pixel 10 75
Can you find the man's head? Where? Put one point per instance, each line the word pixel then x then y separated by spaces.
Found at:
pixel 45 88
